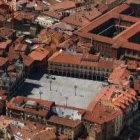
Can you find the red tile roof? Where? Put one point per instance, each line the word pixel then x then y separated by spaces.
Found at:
pixel 3 61
pixel 66 58
pixel 3 45
pixel 39 54
pixel 33 110
pixel 62 5
pixel 76 19
pixel 12 54
pixel 120 75
pixel 114 95
pixel 20 47
pixel 20 15
pixel 64 121
pixel 132 29
pixel 28 61
pixel 91 15
pixel 101 114
pixel 53 14
pixel 31 130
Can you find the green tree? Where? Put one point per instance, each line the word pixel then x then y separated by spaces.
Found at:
pixel 92 50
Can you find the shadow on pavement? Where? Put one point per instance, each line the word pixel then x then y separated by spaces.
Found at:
pixel 36 75
pixel 27 88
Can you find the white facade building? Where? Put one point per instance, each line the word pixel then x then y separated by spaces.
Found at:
pixel 45 21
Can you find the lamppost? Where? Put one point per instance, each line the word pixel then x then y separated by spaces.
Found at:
pixel 40 92
pixel 75 86
pixel 66 100
pixel 50 85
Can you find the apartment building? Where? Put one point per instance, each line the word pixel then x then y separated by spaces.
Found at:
pixel 17 129
pixel 29 109
pixel 67 120
pixel 81 66
pixel 70 128
pixel 40 57
pixel 103 122
pixel 115 34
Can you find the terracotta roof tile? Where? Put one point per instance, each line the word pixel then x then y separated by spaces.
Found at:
pixel 3 45
pixel 114 94
pixel 20 100
pixel 3 61
pixel 39 54
pixel 20 47
pixel 66 58
pixel 119 75
pixel 28 61
pixel 101 114
pixel 64 121
pixel 76 19
pixel 62 5
pixel 53 14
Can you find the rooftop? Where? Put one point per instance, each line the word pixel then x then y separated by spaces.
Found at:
pixel 64 121
pixel 3 61
pixel 62 5
pixel 80 59
pixel 120 75
pixel 119 24
pixel 30 105
pixel 39 54
pixel 118 96
pixel 30 130
pixel 101 114
pixel 76 20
